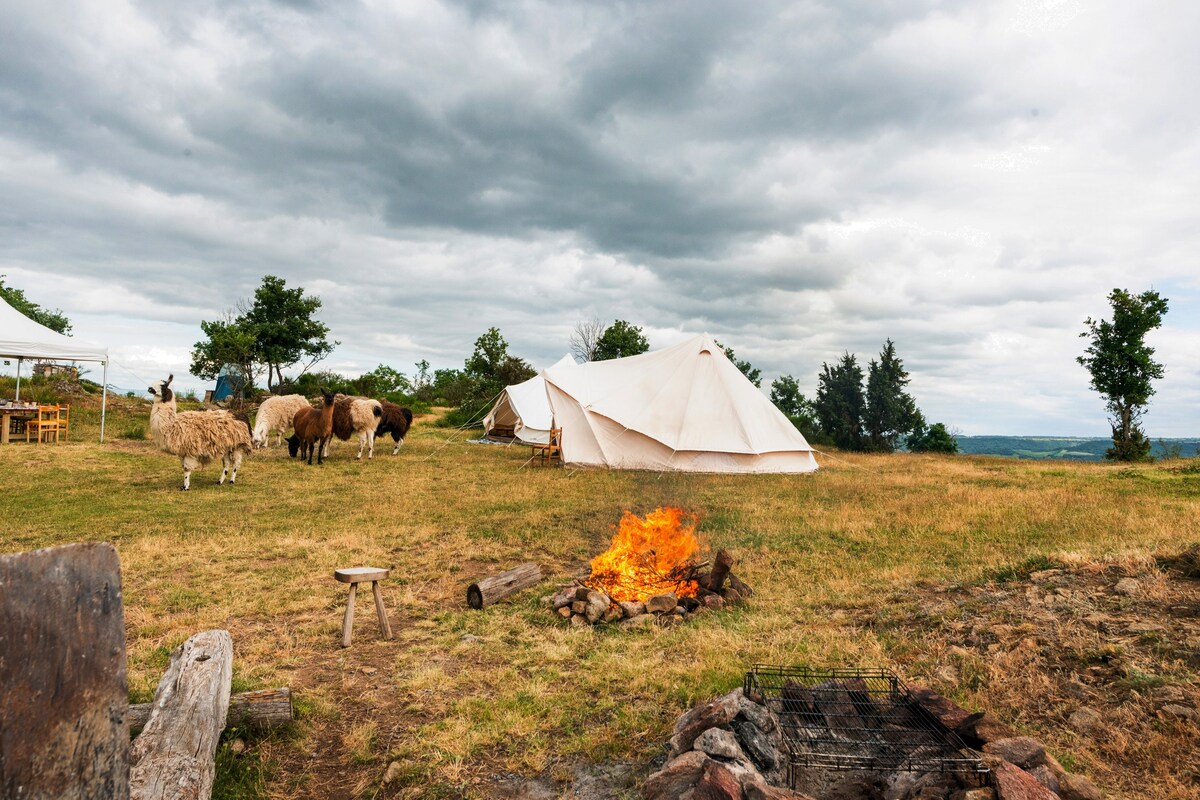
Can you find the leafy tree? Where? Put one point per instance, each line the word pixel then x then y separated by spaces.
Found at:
pixel 933 439
pixel 1122 367
pixel 54 320
pixel 484 375
pixel 840 403
pixel 230 345
pixel 787 397
pixel 752 373
pixel 585 338
pixel 620 340
pixel 383 380
pixel 285 329
pixel 891 412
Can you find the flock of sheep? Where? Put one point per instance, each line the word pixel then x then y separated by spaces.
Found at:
pixel 198 437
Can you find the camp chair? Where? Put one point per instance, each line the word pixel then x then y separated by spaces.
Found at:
pixel 44 424
pixel 552 449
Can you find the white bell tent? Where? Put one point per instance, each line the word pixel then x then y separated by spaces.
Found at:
pixel 523 409
pixel 683 408
pixel 25 340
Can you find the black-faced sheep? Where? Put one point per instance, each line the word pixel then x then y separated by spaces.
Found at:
pixel 275 415
pixel 313 428
pixel 396 420
pixel 198 437
pixel 359 415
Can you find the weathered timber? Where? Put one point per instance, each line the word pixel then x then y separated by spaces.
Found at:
pixel 265 708
pixel 741 586
pixel 173 757
pixel 497 587
pixel 720 570
pixel 63 690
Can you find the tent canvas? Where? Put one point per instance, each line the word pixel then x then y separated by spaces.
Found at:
pixel 23 339
pixel 523 408
pixel 684 408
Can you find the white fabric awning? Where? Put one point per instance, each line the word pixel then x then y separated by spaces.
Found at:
pixel 21 337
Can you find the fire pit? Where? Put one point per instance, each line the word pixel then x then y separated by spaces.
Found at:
pixel 651 574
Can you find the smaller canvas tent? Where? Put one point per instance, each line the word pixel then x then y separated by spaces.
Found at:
pixel 25 340
pixel 684 408
pixel 523 409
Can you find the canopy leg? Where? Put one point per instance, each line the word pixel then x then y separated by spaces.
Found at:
pixel 103 399
pixel 19 359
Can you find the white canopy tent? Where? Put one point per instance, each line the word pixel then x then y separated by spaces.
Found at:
pixel 684 408
pixel 22 338
pixel 523 407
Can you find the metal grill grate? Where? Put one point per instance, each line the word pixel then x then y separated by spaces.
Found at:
pixel 857 719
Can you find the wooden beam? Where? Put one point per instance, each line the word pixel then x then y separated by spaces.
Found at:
pixel 63 689
pixel 174 756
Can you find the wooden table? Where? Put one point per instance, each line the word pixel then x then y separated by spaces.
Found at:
pixel 9 413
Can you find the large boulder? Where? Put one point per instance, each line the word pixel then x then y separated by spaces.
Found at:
pixel 676 778
pixel 713 714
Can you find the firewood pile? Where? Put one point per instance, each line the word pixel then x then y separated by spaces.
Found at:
pixel 665 598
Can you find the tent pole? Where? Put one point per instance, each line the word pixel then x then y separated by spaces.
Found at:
pixel 103 399
pixel 18 379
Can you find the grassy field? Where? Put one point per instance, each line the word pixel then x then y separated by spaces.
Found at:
pixel 463 697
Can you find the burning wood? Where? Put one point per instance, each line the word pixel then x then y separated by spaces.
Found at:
pixel 650 573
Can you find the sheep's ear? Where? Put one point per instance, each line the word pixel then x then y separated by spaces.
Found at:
pixel 170 378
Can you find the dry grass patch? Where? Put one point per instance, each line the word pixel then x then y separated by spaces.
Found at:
pixel 526 694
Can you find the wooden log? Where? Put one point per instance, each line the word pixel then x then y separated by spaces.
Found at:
pixel 265 708
pixel 742 587
pixel 63 689
pixel 173 757
pixel 497 587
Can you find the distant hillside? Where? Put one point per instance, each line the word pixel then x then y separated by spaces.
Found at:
pixel 1072 449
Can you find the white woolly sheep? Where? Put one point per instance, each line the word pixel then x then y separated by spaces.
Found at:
pixel 198 437
pixel 359 415
pixel 275 415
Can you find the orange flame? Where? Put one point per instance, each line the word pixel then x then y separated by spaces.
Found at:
pixel 649 556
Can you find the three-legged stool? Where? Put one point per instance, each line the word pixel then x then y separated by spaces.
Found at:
pixel 355 576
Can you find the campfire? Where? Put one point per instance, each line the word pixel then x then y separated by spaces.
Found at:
pixel 652 573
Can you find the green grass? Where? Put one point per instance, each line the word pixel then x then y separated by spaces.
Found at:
pixel 532 694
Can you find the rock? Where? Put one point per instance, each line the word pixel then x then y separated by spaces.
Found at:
pixel 612 614
pixel 579 621
pixel 947 712
pixel 1085 720
pixel 732 596
pixel 1014 783
pixel 632 609
pixel 1129 587
pixel 719 743
pixel 1181 712
pixel 564 611
pixel 581 592
pixel 758 715
pixel 758 745
pixel 1045 776
pixel 987 728
pixel 469 638
pixel 579 606
pixel 640 621
pixel 717 783
pixel 237 746
pixel 393 772
pixel 947 674
pixel 662 603
pixel 1024 751
pixel 563 599
pixel 714 602
pixel 595 605
pixel 677 777
pixel 694 722
pixel 1077 787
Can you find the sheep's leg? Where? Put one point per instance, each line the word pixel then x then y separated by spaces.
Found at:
pixel 325 446
pixel 322 446
pixel 224 468
pixel 189 464
pixel 370 444
pixel 398 442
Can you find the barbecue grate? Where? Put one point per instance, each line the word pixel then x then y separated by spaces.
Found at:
pixel 857 719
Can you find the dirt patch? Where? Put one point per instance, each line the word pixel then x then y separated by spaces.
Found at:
pixel 1098 659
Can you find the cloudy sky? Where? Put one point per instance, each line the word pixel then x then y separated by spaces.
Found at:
pixel 798 179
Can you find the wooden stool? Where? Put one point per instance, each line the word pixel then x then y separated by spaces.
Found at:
pixel 355 576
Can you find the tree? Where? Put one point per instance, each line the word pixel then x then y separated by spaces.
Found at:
pixel 840 403
pixel 934 439
pixel 1122 367
pixel 620 340
pixel 484 375
pixel 585 338
pixel 285 330
pixel 891 412
pixel 752 373
pixel 230 345
pixel 54 320
pixel 787 397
